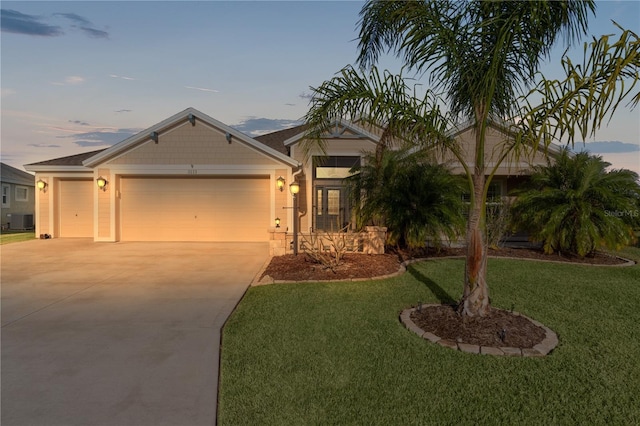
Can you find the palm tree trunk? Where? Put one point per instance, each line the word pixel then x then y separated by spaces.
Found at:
pixel 476 291
pixel 475 297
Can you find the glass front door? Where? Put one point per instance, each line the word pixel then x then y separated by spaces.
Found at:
pixel 331 208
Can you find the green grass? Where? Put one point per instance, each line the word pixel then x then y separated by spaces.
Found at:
pixel 335 353
pixel 7 237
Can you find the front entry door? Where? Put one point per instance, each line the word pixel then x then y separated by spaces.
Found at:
pixel 332 213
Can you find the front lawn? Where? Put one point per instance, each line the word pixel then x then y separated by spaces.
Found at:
pixel 7 237
pixel 335 353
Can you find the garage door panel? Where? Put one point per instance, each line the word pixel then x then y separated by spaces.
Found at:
pixel 195 209
pixel 76 208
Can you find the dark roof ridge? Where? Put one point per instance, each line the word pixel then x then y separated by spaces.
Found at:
pixel 70 160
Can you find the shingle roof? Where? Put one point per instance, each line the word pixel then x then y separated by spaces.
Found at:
pixel 276 140
pixel 272 140
pixel 9 174
pixel 71 160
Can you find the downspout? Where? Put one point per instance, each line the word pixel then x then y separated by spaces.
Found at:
pixel 296 215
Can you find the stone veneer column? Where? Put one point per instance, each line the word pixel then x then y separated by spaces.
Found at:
pixel 376 237
pixel 277 242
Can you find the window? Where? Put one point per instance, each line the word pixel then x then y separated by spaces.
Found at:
pixel 5 195
pixel 333 167
pixel 22 193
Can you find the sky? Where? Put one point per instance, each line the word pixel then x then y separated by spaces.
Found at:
pixel 81 76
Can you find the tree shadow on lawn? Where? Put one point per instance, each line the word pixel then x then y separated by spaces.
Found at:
pixel 439 292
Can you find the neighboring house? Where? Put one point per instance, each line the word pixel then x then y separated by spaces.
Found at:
pixel 18 198
pixel 193 178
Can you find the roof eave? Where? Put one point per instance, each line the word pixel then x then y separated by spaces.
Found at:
pixel 53 168
pixel 175 119
pixel 374 138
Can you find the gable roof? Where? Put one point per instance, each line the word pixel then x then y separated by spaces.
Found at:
pixel 504 127
pixel 74 161
pixel 339 128
pixel 177 119
pixel 9 174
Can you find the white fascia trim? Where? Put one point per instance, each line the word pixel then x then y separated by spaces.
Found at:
pixel 172 121
pixel 58 169
pixel 347 124
pixel 187 170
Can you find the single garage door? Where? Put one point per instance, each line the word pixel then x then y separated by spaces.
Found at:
pixel 76 208
pixel 194 209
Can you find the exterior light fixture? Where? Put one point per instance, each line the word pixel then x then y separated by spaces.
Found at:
pixel 277 222
pixel 102 183
pixel 280 183
pixel 154 136
pixel 42 185
pixel 192 119
pixel 294 188
pixel 228 137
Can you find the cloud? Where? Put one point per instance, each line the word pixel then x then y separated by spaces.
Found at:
pixel 202 89
pixel 101 137
pixel 42 145
pixel 75 18
pixel 84 25
pixel 123 110
pixel 12 21
pixel 255 126
pixel 7 92
pixel 606 147
pixel 93 33
pixel 289 104
pixel 16 22
pixel 72 80
pixel 81 123
pixel 121 77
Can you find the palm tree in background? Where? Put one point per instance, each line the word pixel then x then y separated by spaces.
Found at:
pixel 482 58
pixel 574 205
pixel 413 197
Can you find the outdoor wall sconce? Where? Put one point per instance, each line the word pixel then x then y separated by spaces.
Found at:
pixel 294 188
pixel 277 222
pixel 192 119
pixel 228 137
pixel 102 183
pixel 42 185
pixel 154 136
pixel 280 183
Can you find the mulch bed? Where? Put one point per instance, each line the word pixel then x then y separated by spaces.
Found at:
pixel 498 329
pixel 302 268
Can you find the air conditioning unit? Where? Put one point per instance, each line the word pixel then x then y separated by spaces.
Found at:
pixel 21 221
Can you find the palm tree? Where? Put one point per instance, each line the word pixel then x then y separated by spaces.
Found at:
pixel 481 56
pixel 574 205
pixel 415 198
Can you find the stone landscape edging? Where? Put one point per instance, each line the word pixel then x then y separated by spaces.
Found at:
pixel 543 348
pixel 403 268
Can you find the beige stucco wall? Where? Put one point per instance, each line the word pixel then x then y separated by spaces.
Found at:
pixel 42 212
pixel 199 144
pixel 104 205
pixel 494 146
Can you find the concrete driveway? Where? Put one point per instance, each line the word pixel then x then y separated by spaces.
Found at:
pixel 117 333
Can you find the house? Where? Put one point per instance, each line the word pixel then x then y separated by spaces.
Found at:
pixel 18 198
pixel 193 178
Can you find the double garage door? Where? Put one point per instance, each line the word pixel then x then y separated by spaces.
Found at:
pixel 194 209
